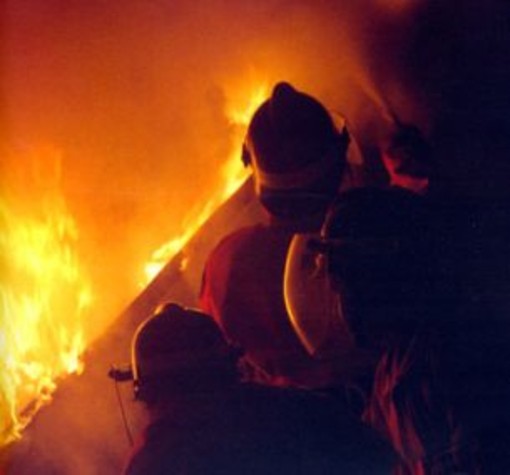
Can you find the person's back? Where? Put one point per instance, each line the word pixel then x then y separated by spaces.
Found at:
pixel 258 430
pixel 244 294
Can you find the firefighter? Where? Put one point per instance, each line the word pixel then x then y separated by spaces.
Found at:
pixel 204 420
pixel 298 157
pixel 438 363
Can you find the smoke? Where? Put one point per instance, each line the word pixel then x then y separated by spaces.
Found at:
pixel 134 95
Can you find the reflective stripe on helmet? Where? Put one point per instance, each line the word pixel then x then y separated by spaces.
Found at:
pixel 302 178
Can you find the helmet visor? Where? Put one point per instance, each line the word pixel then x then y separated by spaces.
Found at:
pixel 314 308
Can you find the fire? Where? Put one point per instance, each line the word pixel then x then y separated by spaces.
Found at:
pixel 232 175
pixel 43 292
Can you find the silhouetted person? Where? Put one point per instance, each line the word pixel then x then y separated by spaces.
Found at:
pixel 203 420
pixel 441 386
pixel 298 158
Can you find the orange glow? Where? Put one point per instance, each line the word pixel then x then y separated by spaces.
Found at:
pixel 399 6
pixel 240 108
pixel 43 291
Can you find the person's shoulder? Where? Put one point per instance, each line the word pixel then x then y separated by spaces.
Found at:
pixel 254 232
pixel 157 451
pixel 248 238
pixel 142 460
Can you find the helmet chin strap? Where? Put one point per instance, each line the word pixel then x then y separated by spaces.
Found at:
pixel 121 375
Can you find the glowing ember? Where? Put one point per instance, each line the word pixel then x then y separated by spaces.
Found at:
pixel 233 175
pixel 43 295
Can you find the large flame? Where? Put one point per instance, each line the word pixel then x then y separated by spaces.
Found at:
pixel 43 292
pixel 240 107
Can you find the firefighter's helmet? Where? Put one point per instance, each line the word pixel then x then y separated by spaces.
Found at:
pixel 375 251
pixel 179 350
pixel 296 152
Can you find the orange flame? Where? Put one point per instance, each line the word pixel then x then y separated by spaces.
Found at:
pixel 43 296
pixel 239 110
